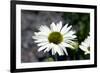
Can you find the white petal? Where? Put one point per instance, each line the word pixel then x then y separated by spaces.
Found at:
pixel 58 49
pixel 53 27
pixel 69 38
pixel 87 52
pixel 48 48
pixel 44 29
pixel 65 29
pixel 39 37
pixel 41 40
pixel 52 49
pixel 68 28
pixel 43 43
pixel 85 45
pixel 70 34
pixel 86 42
pixel 64 49
pixel 68 41
pixel 42 48
pixel 41 34
pixel 53 52
pixel 67 45
pixel 84 48
pixel 59 26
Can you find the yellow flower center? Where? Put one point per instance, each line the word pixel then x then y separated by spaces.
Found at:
pixel 55 37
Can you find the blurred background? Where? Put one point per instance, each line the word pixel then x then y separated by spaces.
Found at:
pixel 30 22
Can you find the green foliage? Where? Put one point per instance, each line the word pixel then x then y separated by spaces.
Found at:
pixel 49 59
pixel 80 23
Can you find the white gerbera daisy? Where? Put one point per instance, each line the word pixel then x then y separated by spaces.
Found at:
pixel 56 38
pixel 85 45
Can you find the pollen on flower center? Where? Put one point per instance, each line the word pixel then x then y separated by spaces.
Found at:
pixel 55 37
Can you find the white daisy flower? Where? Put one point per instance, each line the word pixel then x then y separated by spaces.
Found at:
pixel 85 45
pixel 56 38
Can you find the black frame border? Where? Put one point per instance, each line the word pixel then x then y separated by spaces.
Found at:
pixel 13 35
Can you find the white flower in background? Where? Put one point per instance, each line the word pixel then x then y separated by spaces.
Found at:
pixel 85 45
pixel 56 38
